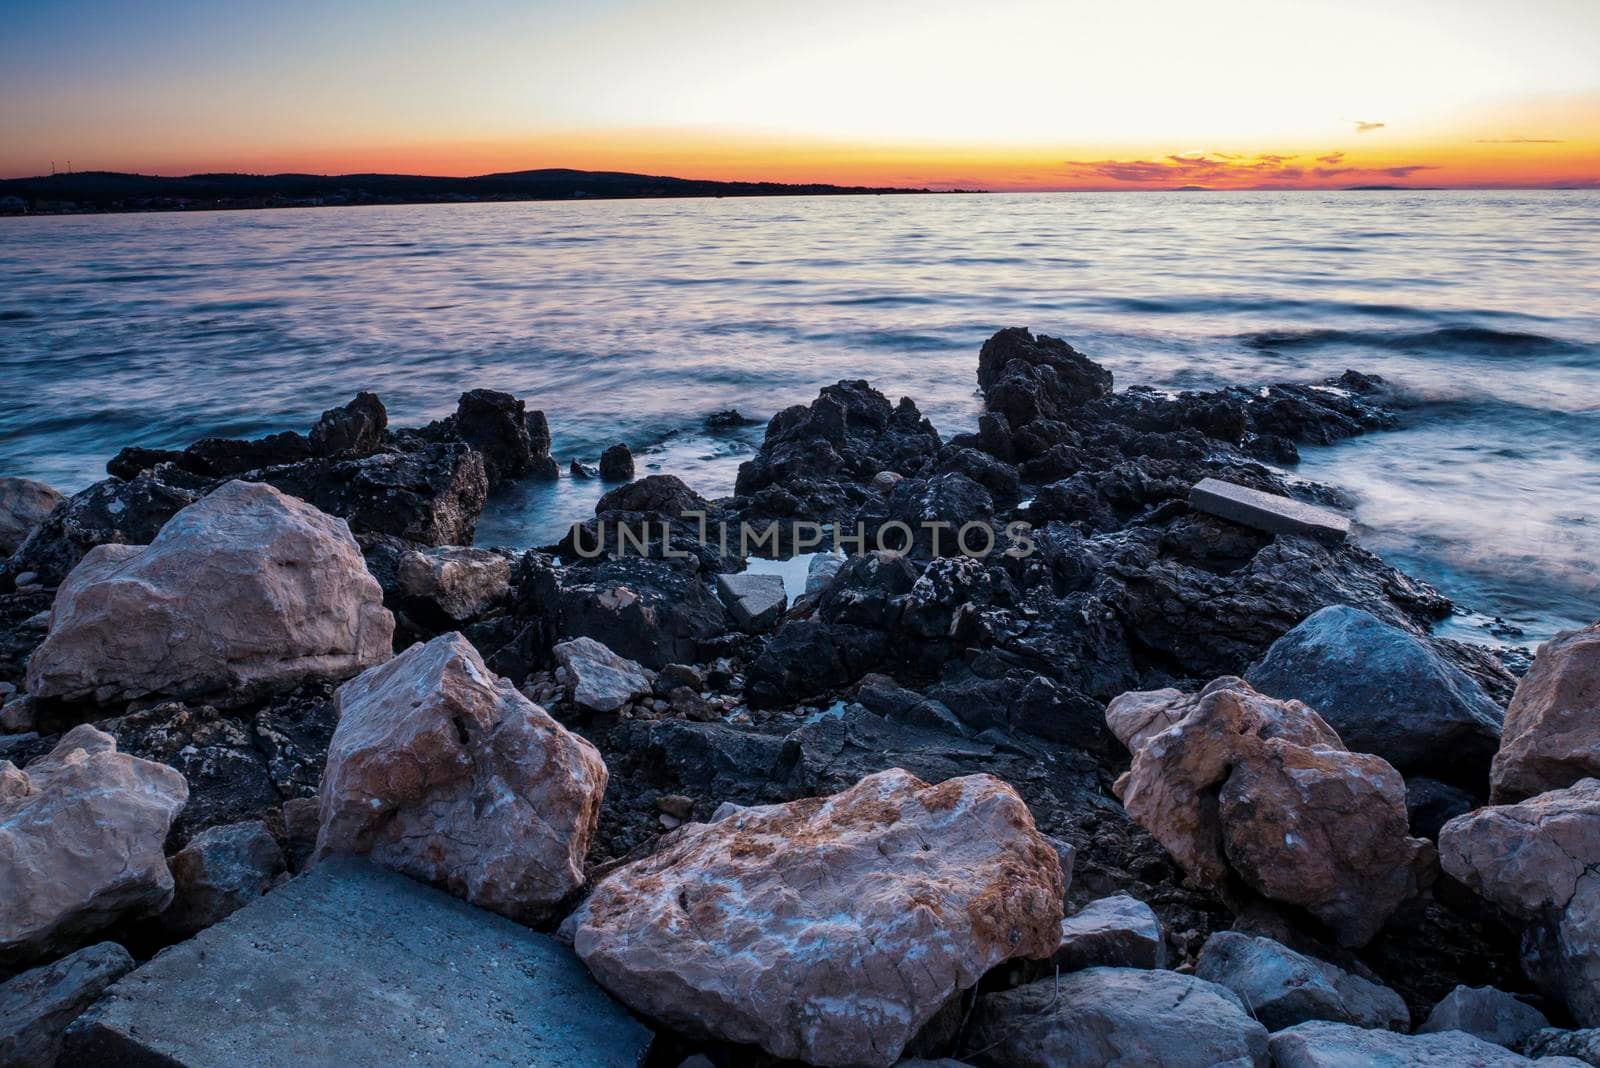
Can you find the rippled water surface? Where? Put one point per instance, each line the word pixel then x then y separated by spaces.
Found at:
pixel 632 320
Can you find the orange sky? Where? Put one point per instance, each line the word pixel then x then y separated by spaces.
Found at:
pixel 1020 94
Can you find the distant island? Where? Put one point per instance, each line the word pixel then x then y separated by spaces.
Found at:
pixel 101 191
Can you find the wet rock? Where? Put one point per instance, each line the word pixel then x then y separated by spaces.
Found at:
pixel 598 678
pixel 820 571
pixel 456 583
pixel 24 504
pixel 1116 1016
pixel 754 601
pixel 1486 1013
pixel 1386 692
pixel 664 495
pixel 81 833
pixel 1282 988
pixel 1025 378
pixel 37 1006
pixel 1264 789
pixel 794 927
pixel 1536 860
pixel 244 592
pixel 541 465
pixel 220 871
pixel 1323 1044
pixel 112 512
pixel 354 430
pixel 1552 734
pixel 496 426
pixel 443 771
pixel 1115 932
pixel 616 464
pixel 431 495
pixel 579 470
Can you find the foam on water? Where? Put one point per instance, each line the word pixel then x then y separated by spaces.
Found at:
pixel 633 320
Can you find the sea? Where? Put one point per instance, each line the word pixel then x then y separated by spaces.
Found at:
pixel 632 321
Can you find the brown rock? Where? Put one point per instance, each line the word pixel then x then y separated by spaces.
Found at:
pixel 444 771
pixel 828 929
pixel 245 591
pixel 23 505
pixel 1263 788
pixel 1552 732
pixel 460 582
pixel 81 831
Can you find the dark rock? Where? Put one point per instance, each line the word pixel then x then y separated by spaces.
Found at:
pixel 220 871
pixel 1283 987
pixel 1431 804
pixel 1553 1042
pixel 292 734
pixel 541 465
pixel 654 611
pixel 581 470
pixel 664 495
pixel 222 457
pixel 354 430
pixel 1486 1013
pixel 1026 378
pixel 616 464
pixel 427 980
pixel 1386 691
pixel 133 460
pixel 728 419
pixel 496 425
pixel 115 511
pixel 37 1006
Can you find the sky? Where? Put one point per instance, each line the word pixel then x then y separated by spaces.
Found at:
pixel 1003 95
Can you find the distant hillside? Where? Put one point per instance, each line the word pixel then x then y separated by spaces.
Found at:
pixel 112 191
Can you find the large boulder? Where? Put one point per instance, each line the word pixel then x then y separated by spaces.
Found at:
pixel 1387 692
pixel 1283 987
pixel 24 504
pixel 828 929
pixel 81 833
pixel 1264 789
pixel 453 582
pixel 1552 734
pixel 1104 1016
pixel 37 1006
pixel 443 771
pixel 1538 861
pixel 1324 1044
pixel 244 592
pixel 1486 1013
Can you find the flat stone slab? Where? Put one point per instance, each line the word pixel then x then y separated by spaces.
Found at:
pixel 357 966
pixel 756 601
pixel 1267 511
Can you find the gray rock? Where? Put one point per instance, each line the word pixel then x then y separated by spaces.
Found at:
pixel 220 871
pixel 1486 1013
pixel 1103 1016
pixel 366 962
pixel 600 679
pixel 37 1006
pixel 459 583
pixel 1323 1044
pixel 1267 511
pixel 1282 987
pixel 1582 1046
pixel 1386 692
pixel 1118 932
pixel 820 571
pixel 755 601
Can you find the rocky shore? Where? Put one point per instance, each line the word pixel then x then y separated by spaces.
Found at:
pixel 1087 768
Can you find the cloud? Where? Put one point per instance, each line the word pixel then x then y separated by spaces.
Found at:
pixel 1264 170
pixel 1366 127
pixel 1520 141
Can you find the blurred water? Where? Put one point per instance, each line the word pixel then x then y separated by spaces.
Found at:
pixel 632 320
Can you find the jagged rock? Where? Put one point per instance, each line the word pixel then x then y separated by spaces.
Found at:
pixel 1104 1016
pixel 112 512
pixel 1537 860
pixel 355 430
pixel 662 494
pixel 616 464
pixel 1552 732
pixel 1024 378
pixel 445 772
pixel 220 871
pixel 24 504
pixel 755 601
pixel 455 582
pixel 37 1006
pixel 81 831
pixel 600 679
pixel 244 592
pixel 655 611
pixel 1115 932
pixel 1324 1044
pixel 498 427
pixel 1265 789
pixel 432 495
pixel 1386 692
pixel 542 465
pixel 1582 1046
pixel 1486 1013
pixel 1281 987
pixel 828 929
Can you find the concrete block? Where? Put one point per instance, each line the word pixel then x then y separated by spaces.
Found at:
pixel 1267 511
pixel 756 601
pixel 356 966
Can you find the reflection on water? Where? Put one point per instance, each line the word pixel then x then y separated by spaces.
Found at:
pixel 632 320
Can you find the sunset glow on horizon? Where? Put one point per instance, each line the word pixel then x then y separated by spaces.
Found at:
pixel 1022 96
